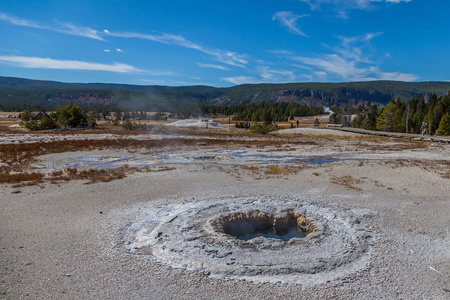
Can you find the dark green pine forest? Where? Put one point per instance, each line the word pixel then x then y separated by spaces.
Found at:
pixel 406 116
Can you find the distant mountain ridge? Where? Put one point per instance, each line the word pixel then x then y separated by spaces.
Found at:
pixel 25 93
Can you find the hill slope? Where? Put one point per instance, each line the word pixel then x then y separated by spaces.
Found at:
pixel 19 93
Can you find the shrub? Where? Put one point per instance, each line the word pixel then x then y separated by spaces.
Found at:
pixel 127 125
pixel 70 116
pixel 316 122
pixel 115 121
pixel 262 128
pixel 26 116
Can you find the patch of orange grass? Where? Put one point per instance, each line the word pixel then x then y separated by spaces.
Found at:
pixel 272 170
pixel 347 181
pixel 6 177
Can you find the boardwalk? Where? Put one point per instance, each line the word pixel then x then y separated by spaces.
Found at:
pixel 443 139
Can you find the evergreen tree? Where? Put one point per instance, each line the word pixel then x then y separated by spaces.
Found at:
pixel 388 119
pixel 26 115
pixel 444 125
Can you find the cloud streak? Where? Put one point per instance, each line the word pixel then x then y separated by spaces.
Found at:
pixel 349 63
pixel 270 75
pixel 341 6
pixel 344 69
pixel 64 28
pixel 240 79
pixel 49 63
pixel 350 4
pixel 224 56
pixel 289 20
pixel 213 66
pixel 265 75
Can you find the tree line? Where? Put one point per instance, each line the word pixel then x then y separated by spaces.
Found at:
pixel 406 116
pixel 263 112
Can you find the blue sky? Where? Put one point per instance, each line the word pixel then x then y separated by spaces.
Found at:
pixel 225 43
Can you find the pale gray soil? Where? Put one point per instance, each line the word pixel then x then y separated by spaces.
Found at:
pixel 71 240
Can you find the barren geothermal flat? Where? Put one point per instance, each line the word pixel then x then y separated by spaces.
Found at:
pixel 218 213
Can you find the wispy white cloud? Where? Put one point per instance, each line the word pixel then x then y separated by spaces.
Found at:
pixel 334 66
pixel 280 52
pixel 107 50
pixel 224 56
pixel 77 30
pixel 355 47
pixel 240 79
pixel 49 63
pixel 263 74
pixel 172 82
pixel 213 66
pixel 346 41
pixel 349 62
pixel 270 75
pixel 120 50
pixel 345 70
pixel 64 28
pixel 17 21
pixel 396 76
pixel 289 20
pixel 342 6
pixel 350 4
pixel 391 1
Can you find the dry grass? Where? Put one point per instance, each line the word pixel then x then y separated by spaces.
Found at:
pixel 440 167
pixel 8 177
pixel 93 175
pixel 271 170
pixel 347 181
pixel 274 170
pixel 20 155
pixel 345 137
pixel 368 142
pixel 16 158
pixel 251 168
pixel 157 169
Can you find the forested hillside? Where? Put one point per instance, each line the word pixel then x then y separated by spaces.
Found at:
pixel 18 94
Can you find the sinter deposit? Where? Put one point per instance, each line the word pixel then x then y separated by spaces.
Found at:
pixel 197 123
pixel 193 236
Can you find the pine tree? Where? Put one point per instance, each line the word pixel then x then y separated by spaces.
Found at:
pixel 444 125
pixel 388 119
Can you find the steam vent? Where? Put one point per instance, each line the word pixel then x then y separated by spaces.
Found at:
pixel 256 238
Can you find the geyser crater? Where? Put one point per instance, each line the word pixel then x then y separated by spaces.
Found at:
pixel 205 236
pixel 285 225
